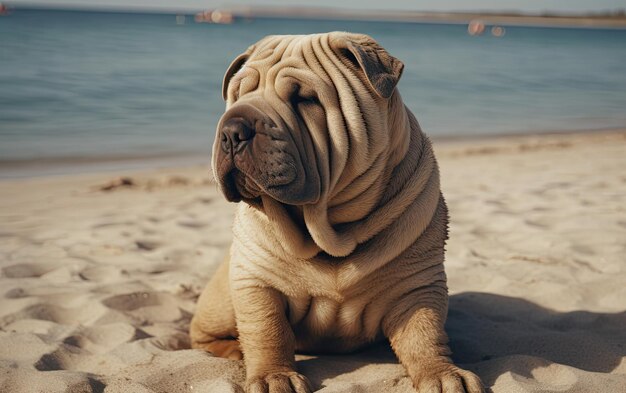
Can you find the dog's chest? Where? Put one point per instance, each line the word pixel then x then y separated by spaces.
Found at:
pixel 334 313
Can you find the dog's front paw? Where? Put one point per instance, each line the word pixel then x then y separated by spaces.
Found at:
pixel 279 382
pixel 444 377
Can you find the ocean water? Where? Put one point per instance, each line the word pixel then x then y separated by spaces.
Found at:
pixel 85 89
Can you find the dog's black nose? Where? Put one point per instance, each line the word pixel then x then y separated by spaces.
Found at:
pixel 234 132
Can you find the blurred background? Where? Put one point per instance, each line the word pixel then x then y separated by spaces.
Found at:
pixel 98 85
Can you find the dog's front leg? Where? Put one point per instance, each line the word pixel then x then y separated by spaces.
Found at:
pixel 415 328
pixel 267 341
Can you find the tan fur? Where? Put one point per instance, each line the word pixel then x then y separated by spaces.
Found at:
pixel 362 261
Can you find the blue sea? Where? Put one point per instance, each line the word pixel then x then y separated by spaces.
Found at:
pixel 86 90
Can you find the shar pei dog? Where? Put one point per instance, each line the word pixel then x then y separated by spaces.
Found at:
pixel 339 241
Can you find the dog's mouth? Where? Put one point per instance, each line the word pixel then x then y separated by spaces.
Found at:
pixel 239 187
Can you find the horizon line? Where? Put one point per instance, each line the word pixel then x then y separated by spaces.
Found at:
pixel 615 18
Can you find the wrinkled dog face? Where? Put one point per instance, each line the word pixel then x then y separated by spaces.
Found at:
pixel 271 139
pixel 263 143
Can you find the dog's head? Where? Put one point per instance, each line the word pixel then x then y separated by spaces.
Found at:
pixel 305 117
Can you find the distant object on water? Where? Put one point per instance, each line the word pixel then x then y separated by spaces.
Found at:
pixel 215 16
pixel 497 31
pixel 3 9
pixel 476 27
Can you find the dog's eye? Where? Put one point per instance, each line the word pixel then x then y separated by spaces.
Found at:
pixel 299 100
pixel 302 96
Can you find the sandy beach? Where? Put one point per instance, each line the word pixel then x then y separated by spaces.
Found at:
pixel 100 273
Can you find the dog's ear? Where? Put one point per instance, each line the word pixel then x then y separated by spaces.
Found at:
pixel 234 67
pixel 382 70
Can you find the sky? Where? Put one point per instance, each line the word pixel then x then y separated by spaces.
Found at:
pixel 418 5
